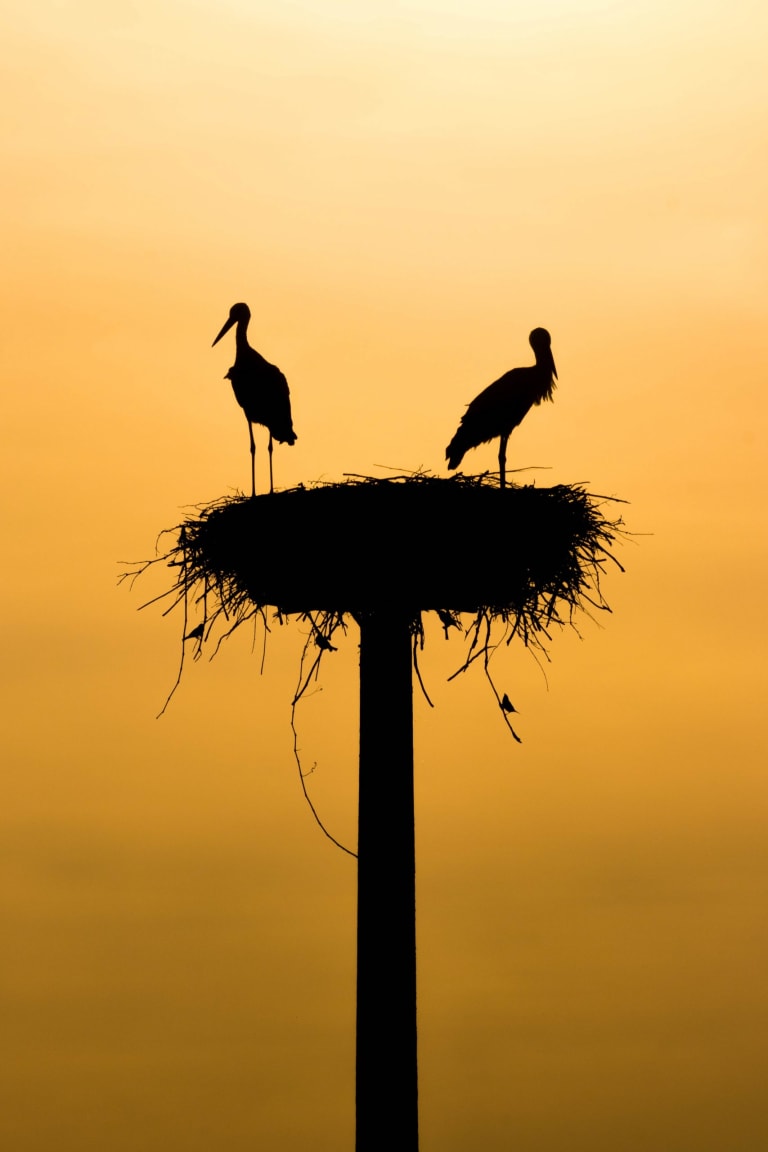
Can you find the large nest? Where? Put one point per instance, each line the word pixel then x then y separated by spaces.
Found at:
pixel 524 555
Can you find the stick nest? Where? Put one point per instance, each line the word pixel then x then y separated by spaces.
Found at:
pixel 525 556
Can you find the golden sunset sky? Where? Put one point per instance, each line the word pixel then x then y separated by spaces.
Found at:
pixel 400 191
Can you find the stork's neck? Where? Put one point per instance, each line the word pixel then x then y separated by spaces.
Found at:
pixel 241 335
pixel 545 371
pixel 544 364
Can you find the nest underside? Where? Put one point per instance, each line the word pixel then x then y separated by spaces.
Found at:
pixel 526 555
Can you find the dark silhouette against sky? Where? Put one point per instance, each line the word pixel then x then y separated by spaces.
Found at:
pixel 502 405
pixel 559 543
pixel 260 389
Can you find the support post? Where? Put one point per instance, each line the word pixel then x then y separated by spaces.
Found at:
pixel 386 1070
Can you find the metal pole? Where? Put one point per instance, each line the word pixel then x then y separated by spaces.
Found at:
pixel 386 1080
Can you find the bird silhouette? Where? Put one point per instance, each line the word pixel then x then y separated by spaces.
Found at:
pixel 260 389
pixel 502 405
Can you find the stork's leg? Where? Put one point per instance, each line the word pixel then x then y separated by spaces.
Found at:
pixel 253 459
pixel 503 462
pixel 269 449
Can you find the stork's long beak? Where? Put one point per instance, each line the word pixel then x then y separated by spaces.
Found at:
pixel 225 329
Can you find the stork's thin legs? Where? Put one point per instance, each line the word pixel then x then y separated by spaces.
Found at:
pixel 269 449
pixel 253 459
pixel 503 462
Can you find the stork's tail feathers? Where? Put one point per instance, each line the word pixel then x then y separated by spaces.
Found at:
pixel 460 444
pixel 283 432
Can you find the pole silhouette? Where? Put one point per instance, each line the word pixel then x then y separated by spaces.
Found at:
pixel 386 1060
pixel 399 563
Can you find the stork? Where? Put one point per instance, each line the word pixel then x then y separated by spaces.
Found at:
pixel 260 389
pixel 502 405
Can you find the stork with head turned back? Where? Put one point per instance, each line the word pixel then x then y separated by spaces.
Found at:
pixel 502 405
pixel 260 389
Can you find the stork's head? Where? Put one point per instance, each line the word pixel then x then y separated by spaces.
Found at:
pixel 541 342
pixel 238 314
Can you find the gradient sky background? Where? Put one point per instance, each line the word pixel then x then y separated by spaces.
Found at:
pixel 400 192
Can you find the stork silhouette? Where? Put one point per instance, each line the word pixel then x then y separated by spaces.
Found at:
pixel 260 389
pixel 502 405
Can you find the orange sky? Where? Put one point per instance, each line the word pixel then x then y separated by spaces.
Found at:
pixel 400 193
